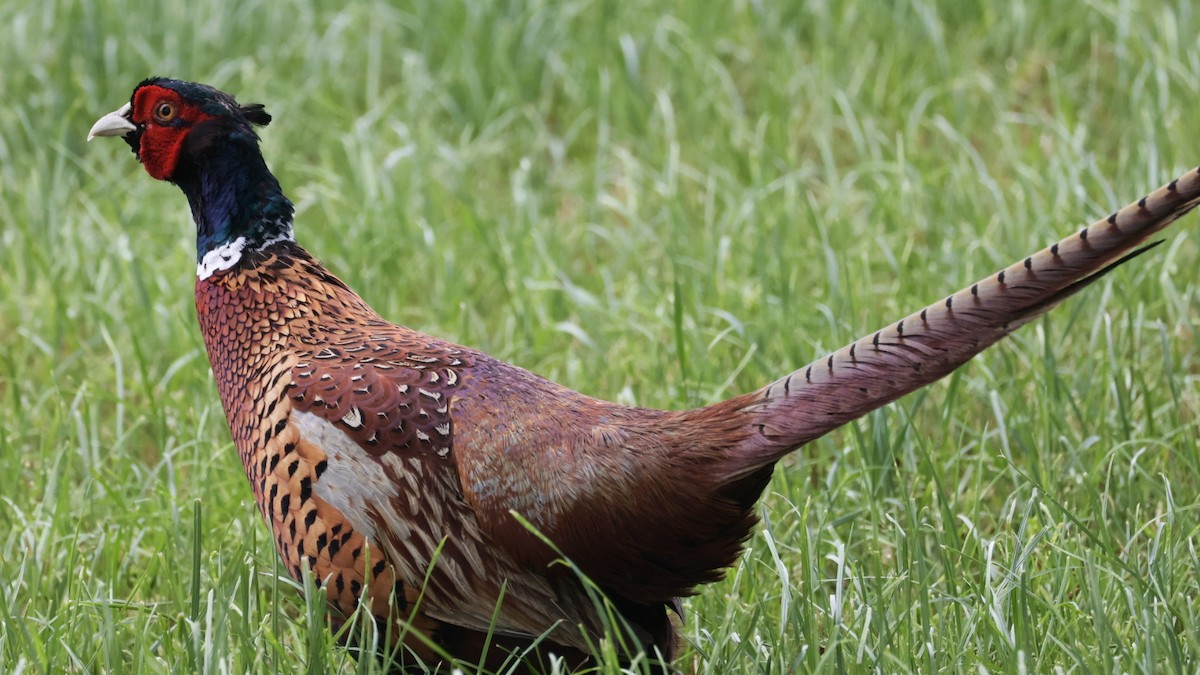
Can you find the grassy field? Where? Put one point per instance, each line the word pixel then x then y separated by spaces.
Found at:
pixel 661 203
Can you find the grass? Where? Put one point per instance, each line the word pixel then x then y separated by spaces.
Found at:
pixel 656 203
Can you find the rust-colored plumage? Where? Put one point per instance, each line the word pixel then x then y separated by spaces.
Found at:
pixel 391 462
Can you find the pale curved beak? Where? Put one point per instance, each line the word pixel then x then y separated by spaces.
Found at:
pixel 113 124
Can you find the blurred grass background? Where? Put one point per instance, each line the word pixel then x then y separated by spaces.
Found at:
pixel 661 203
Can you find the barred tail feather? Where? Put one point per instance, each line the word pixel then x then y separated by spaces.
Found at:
pixel 930 344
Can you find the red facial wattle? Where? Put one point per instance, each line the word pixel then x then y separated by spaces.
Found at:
pixel 162 139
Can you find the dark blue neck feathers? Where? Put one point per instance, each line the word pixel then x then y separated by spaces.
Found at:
pixel 236 201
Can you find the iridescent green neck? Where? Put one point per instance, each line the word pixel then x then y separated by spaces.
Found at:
pixel 236 202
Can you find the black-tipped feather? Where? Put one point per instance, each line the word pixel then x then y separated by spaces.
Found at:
pixel 256 113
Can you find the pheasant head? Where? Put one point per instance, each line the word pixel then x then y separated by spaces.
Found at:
pixel 203 141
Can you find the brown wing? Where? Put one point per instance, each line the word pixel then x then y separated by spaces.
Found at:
pixel 381 401
pixel 387 390
pixel 638 498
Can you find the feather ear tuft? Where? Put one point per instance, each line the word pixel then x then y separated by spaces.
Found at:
pixel 256 113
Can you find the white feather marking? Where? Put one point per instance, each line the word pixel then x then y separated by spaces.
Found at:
pixel 352 479
pixel 220 258
pixel 287 235
pixel 355 483
pixel 228 254
pixel 471 551
pixel 353 418
pixel 400 527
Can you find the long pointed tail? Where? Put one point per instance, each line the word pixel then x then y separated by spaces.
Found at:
pixel 928 345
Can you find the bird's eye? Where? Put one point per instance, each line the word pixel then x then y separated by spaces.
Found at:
pixel 164 112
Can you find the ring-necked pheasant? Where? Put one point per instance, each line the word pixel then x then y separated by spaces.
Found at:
pixel 383 456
